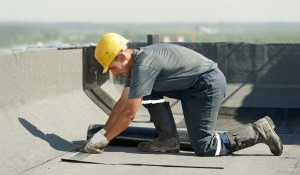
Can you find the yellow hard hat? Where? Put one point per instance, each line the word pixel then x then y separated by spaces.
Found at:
pixel 108 47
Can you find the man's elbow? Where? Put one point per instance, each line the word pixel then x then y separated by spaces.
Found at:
pixel 129 115
pixel 131 108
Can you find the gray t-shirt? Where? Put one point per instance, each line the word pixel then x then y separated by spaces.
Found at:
pixel 165 67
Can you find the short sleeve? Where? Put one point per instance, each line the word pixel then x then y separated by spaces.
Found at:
pixel 127 82
pixel 142 81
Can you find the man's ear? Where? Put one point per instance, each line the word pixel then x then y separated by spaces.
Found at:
pixel 121 56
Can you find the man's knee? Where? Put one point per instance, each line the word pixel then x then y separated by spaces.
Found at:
pixel 209 146
pixel 203 152
pixel 150 100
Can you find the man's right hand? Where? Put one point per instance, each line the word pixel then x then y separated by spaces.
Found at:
pixel 96 144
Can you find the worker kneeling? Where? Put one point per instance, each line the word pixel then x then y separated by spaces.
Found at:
pixel 167 70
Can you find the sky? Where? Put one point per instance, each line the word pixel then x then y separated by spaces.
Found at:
pixel 150 11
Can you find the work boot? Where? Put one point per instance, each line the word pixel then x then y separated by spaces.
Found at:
pixel 261 131
pixel 162 118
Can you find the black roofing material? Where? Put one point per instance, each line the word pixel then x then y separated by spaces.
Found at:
pixel 134 135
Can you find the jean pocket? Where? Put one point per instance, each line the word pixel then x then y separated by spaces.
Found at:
pixel 201 86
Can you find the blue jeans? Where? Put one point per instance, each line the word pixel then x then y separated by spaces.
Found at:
pixel 200 105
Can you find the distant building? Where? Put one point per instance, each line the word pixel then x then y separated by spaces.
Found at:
pixel 207 30
pixel 180 39
pixel 166 39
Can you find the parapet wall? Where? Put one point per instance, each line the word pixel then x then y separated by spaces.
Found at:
pixel 31 74
pixel 43 110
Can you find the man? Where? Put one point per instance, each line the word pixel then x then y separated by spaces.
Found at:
pixel 173 71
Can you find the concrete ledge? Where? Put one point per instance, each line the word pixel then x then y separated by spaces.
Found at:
pixel 44 111
pixel 29 75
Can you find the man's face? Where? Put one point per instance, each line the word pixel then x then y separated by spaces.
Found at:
pixel 118 68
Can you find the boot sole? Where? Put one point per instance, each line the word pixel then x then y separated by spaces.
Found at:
pixel 174 150
pixel 160 151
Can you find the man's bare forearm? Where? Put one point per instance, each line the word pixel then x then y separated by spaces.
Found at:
pixel 117 109
pixel 123 119
pixel 114 115
pixel 119 125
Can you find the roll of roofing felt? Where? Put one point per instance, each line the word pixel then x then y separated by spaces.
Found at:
pixel 134 135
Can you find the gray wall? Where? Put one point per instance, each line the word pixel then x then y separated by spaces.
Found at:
pixel 43 109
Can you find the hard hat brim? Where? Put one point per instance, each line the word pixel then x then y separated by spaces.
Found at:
pixel 105 70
